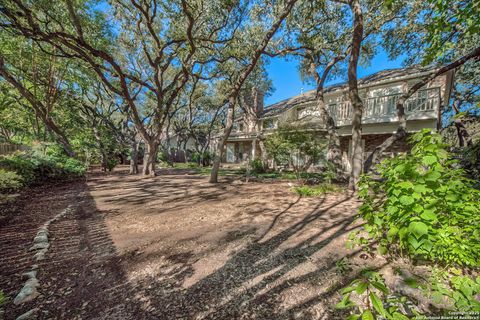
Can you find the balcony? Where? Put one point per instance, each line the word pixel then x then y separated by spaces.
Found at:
pixel 383 108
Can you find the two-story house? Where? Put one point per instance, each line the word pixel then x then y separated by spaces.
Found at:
pixel 379 91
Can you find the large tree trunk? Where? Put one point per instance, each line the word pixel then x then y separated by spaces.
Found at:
pixel 103 154
pixel 374 157
pixel 134 157
pixel 462 132
pixel 223 140
pixel 259 51
pixel 263 151
pixel 59 136
pixel 357 104
pixel 150 158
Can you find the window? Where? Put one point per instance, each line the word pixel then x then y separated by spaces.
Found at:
pixel 269 124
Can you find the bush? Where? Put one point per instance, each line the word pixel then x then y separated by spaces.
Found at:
pixel 315 191
pixel 202 158
pixel 34 168
pixel 424 205
pixel 10 181
pixel 256 166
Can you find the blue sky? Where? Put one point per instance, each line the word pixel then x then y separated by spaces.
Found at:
pixel 286 78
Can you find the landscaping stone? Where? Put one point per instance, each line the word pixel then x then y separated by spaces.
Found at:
pixel 28 292
pixel 30 275
pixel 41 237
pixel 29 315
pixel 40 245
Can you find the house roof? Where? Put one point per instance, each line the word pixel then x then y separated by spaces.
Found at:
pixel 376 78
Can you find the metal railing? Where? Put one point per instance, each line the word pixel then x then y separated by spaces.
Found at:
pixel 374 107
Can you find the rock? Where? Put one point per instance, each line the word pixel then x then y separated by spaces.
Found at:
pixel 30 274
pixel 28 292
pixel 40 245
pixel 40 255
pixel 41 237
pixel 29 315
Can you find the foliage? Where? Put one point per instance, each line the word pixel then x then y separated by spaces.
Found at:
pixel 423 205
pixel 111 163
pixel 296 147
pixel 371 286
pixel 10 181
pixel 451 22
pixel 315 191
pixel 202 158
pixel 256 166
pixel 343 266
pixel 453 290
pixel 34 168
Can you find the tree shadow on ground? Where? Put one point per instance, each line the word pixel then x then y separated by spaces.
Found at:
pixel 249 283
pixel 85 275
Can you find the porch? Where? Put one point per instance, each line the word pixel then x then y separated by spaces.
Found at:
pixel 240 151
pixel 382 108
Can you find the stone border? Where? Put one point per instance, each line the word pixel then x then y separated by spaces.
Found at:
pixel 40 245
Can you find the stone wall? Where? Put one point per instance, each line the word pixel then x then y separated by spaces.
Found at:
pixel 371 142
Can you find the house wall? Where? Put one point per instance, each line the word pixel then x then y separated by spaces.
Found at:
pixel 376 125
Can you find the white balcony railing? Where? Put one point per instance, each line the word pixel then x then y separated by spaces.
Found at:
pixel 381 106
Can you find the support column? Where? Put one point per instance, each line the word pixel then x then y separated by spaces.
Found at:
pixel 254 147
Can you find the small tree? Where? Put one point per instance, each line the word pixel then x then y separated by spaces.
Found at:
pixel 296 147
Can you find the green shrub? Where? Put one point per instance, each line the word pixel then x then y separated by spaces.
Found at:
pixel 315 191
pixel 20 164
pixel 256 166
pixel 10 181
pixel 423 205
pixel 111 163
pixel 34 168
pixel 202 158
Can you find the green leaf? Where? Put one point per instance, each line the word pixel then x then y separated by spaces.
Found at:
pixel 367 315
pixel 429 159
pixel 399 316
pixel 418 229
pixel 362 286
pixel 406 200
pixel 414 242
pixel 382 250
pixel 345 302
pixel 380 286
pixel 347 289
pixel 420 188
pixel 451 197
pixel 392 233
pixel 377 303
pixel 412 283
pixel 405 185
pixel 433 176
pixel 429 214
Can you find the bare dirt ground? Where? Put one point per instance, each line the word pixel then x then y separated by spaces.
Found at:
pixel 177 247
